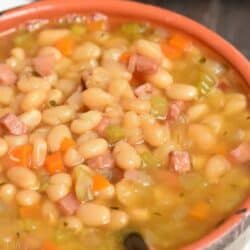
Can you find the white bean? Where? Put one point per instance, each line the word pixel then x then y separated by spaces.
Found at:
pixel 23 177
pixel 216 167
pixel 56 136
pixel 87 121
pixel 54 96
pixel 86 51
pixel 58 115
pixel 96 98
pixel 27 197
pixel 182 92
pixel 61 178
pixel 72 158
pixel 31 118
pixel 33 100
pixel 7 95
pixel 57 191
pixel 126 156
pixel 7 192
pixel 28 83
pixel 50 36
pixel 235 103
pixel 3 147
pixel 39 152
pixel 94 215
pixel 93 148
pixel 161 79
pixel 197 111
pixel 50 212
pixel 15 140
pixel 119 219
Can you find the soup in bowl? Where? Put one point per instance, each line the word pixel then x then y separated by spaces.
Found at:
pixel 117 134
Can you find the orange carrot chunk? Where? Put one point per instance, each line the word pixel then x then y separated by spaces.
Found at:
pixel 99 182
pixel 200 210
pixel 171 52
pixel 30 212
pixel 49 246
pixel 66 144
pixel 179 41
pixel 21 155
pixel 95 25
pixel 65 45
pixel 124 58
pixel 54 163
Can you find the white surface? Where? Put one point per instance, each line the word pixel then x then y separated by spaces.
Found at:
pixel 243 242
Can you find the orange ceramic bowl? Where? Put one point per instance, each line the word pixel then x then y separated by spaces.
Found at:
pixel 236 223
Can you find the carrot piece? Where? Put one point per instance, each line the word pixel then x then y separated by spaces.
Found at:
pixel 200 210
pixel 54 163
pixel 21 155
pixel 96 25
pixel 221 148
pixel 99 182
pixel 48 245
pixel 65 45
pixel 124 58
pixel 170 51
pixel 179 41
pixel 30 212
pixel 66 144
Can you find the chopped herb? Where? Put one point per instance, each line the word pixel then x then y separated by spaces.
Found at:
pixel 114 208
pixel 181 194
pixel 233 185
pixel 52 103
pixel 18 234
pixel 225 133
pixel 202 60
pixel 241 211
pixel 157 213
pixel 248 117
pixel 65 223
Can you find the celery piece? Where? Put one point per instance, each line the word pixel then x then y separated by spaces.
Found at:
pixel 205 84
pixel 159 106
pixel 29 225
pixel 149 160
pixel 83 185
pixel 114 133
pixel 133 30
pixel 78 29
pixel 25 40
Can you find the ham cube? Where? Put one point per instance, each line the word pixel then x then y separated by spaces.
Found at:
pixel 101 161
pixel 7 75
pixel 179 161
pixel 241 154
pixel 143 90
pixel 175 109
pixel 100 128
pixel 13 124
pixel 142 64
pixel 43 64
pixel 68 204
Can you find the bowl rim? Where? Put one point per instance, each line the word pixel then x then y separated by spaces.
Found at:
pixel 238 221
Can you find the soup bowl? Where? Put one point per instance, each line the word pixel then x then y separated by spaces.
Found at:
pixel 234 225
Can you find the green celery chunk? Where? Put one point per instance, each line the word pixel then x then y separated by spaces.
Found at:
pixel 133 30
pixel 205 83
pixel 149 160
pixel 78 29
pixel 159 106
pixel 114 133
pixel 26 40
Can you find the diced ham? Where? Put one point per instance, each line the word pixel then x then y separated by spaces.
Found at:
pixel 101 161
pixel 142 64
pixel 114 174
pixel 175 109
pixel 68 204
pixel 179 161
pixel 43 64
pixel 241 154
pixel 143 90
pixel 13 124
pixel 100 128
pixel 7 75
